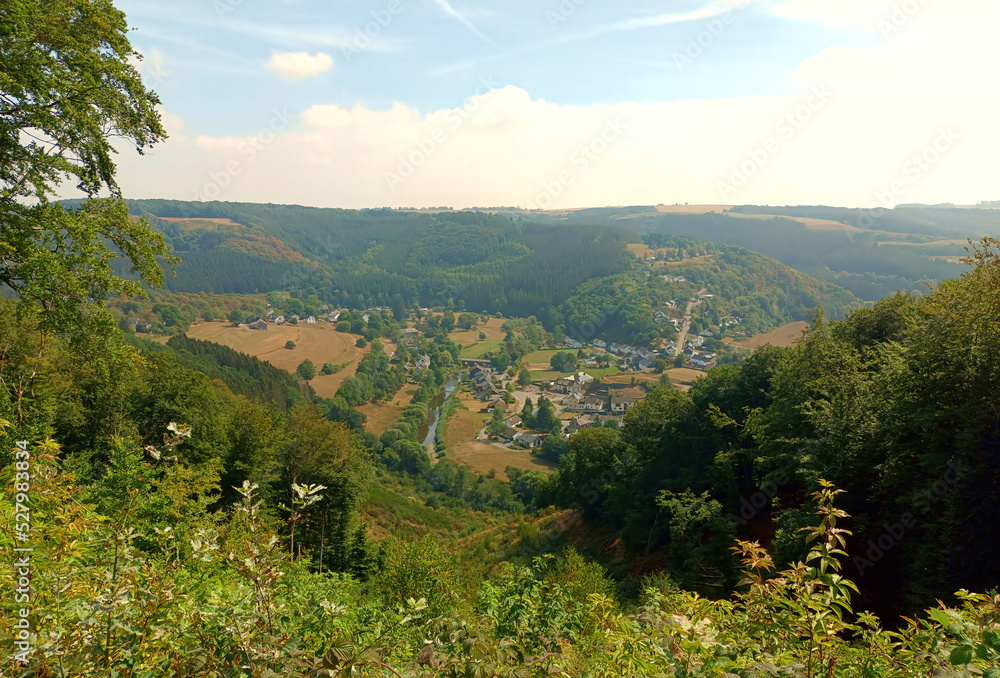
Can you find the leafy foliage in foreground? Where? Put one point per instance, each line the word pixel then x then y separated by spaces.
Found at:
pixel 220 596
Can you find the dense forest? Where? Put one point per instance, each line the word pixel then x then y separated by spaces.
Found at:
pixel 854 261
pixel 872 253
pixel 499 263
pixel 762 293
pixel 367 258
pixel 477 262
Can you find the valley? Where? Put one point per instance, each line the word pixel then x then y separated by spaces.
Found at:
pixel 323 421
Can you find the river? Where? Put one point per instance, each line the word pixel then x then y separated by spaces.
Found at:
pixel 429 427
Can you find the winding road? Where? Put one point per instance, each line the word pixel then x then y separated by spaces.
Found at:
pixel 686 324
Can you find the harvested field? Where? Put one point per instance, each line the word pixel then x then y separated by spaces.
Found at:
pixel 320 343
pixel 683 376
pixel 539 361
pixel 786 335
pixel 640 250
pixel 384 415
pixel 642 377
pixel 484 457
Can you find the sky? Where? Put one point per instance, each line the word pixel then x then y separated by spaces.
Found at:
pixel 569 103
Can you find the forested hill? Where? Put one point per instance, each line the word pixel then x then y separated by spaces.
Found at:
pixel 871 252
pixel 384 257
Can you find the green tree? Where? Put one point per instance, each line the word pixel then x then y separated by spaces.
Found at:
pixel 561 360
pixel 69 86
pixel 545 419
pixel 361 342
pixel 236 316
pixel 527 413
pixel 501 361
pixel 398 307
pixel 524 378
pixel 495 428
pixel 306 370
pixel 289 344
pixel 588 471
pixel 170 315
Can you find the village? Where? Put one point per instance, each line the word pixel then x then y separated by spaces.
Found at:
pixel 574 391
pixel 579 401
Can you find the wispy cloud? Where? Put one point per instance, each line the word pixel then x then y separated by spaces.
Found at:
pixel 462 19
pixel 709 11
pixel 713 9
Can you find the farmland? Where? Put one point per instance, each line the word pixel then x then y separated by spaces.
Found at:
pixel 320 343
pixel 783 336
pixel 472 347
pixel 383 415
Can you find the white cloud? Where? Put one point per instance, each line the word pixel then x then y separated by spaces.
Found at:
pixel 300 65
pixel 887 104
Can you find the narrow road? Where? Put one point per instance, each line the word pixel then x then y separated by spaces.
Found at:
pixel 686 324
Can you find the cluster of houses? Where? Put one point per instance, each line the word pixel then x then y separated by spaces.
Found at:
pixel 638 359
pixel 569 394
pixel 255 323
pixel 326 315
pixel 483 380
pixel 642 359
pixel 661 318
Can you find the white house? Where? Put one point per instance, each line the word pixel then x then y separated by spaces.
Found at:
pixel 591 405
pixel 620 405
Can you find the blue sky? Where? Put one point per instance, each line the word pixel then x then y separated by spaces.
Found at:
pixel 360 87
